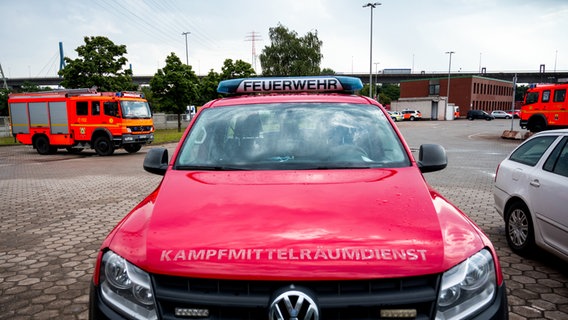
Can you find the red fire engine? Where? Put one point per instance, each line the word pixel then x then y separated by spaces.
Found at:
pixel 81 118
pixel 545 107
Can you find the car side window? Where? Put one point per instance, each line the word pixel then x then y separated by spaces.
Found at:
pixel 557 162
pixel 531 152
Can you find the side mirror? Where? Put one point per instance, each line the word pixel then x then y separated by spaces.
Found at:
pixel 432 157
pixel 156 161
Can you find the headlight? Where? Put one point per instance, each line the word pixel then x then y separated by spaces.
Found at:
pixel 468 287
pixel 126 287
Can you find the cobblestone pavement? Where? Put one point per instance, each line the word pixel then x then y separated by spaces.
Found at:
pixel 55 211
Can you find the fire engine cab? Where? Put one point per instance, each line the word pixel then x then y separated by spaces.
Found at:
pixel 545 107
pixel 81 118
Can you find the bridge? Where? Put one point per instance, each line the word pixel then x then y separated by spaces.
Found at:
pixel 522 77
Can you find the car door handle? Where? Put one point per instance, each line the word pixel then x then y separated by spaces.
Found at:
pixel 535 183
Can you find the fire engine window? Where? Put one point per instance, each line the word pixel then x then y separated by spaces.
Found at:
pixel 532 97
pixel 111 109
pixel 560 95
pixel 546 96
pixel 96 108
pixel 82 108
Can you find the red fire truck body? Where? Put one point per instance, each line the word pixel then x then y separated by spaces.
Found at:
pixel 81 118
pixel 545 107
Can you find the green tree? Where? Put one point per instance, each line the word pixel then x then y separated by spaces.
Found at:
pixel 327 72
pixel 388 92
pixel 175 87
pixel 208 87
pixel 28 86
pixel 230 70
pixel 520 92
pixel 290 55
pixel 149 96
pixel 100 63
pixel 4 101
pixel 239 69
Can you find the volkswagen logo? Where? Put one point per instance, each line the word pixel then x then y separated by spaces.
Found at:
pixel 293 304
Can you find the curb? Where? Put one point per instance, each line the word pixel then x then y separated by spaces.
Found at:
pixel 516 135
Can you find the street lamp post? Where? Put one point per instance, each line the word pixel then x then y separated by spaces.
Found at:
pixel 186 55
pixel 377 79
pixel 449 72
pixel 372 6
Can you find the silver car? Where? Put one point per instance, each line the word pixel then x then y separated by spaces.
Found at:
pixel 500 114
pixel 531 194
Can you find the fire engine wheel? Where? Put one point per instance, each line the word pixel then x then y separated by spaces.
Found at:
pixel 132 148
pixel 42 146
pixel 536 125
pixel 103 146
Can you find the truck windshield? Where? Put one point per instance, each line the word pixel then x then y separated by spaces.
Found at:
pixel 291 137
pixel 135 109
pixel 532 97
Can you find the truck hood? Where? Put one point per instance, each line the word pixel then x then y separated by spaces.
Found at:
pixel 330 224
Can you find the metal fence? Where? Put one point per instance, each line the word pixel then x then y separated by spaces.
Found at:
pixel 5 127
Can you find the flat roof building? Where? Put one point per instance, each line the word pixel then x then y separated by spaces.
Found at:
pixel 466 92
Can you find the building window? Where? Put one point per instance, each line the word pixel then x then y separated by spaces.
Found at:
pixel 434 89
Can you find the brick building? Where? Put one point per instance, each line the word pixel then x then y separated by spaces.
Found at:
pixel 466 92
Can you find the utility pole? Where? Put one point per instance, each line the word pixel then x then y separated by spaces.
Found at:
pixel 253 37
pixel 449 72
pixel 513 104
pixel 186 55
pixel 372 6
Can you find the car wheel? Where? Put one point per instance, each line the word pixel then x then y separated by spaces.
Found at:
pixel 519 229
pixel 412 118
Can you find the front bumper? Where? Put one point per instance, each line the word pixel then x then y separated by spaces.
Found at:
pixel 146 138
pixel 498 310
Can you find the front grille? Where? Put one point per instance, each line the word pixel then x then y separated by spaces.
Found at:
pixel 140 128
pixel 355 300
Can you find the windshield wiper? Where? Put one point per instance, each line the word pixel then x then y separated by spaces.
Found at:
pixel 209 168
pixel 333 167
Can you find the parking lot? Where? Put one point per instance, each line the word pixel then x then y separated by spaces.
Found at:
pixel 57 209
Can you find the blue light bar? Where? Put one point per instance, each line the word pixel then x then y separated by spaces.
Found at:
pixel 290 84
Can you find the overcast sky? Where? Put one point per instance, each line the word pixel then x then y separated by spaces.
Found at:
pixel 499 35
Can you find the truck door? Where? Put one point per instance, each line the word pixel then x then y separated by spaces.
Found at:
pixel 560 115
pixel 81 129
